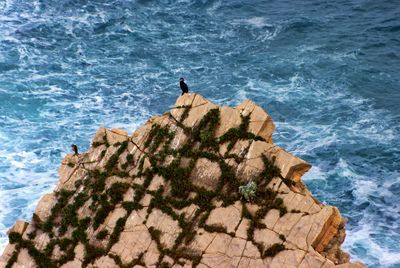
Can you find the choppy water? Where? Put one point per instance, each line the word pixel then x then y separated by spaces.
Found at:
pixel 327 71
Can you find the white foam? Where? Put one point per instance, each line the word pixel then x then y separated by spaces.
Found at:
pixel 257 22
pixel 362 237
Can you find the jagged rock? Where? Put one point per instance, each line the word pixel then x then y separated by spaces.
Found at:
pixel 168 195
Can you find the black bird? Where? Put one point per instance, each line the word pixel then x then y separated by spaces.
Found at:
pixel 183 86
pixel 74 149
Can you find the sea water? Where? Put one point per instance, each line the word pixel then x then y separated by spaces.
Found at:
pixel 328 72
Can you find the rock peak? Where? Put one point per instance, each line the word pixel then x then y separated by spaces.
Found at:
pixel 201 185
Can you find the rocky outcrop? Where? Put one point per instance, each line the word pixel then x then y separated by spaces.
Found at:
pixel 174 195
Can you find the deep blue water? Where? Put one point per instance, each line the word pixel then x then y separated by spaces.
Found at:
pixel 328 72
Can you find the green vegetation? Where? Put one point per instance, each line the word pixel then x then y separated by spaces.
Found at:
pixel 66 229
pixel 248 191
pixel 273 250
pixel 102 234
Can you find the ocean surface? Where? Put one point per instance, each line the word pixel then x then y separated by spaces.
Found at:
pixel 328 72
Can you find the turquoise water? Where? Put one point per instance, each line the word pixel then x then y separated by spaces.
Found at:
pixel 326 71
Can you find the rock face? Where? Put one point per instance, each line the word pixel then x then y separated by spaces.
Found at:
pixel 168 196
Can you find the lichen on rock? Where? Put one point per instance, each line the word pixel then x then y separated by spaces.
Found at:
pixel 169 196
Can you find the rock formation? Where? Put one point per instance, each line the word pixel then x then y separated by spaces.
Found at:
pixel 200 186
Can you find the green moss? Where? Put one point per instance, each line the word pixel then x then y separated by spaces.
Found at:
pixel 102 234
pixel 101 215
pixel 273 250
pixel 12 259
pixel 155 234
pixel 157 135
pixel 91 254
pixel 214 228
pixel 32 235
pixel 119 227
pixel 129 158
pixel 185 113
pixel 136 261
pixel 245 212
pixel 240 133
pixel 98 181
pixel 99 143
pixel 282 237
pixel 78 183
pixel 116 192
pixel 41 259
pixel 124 165
pixel 270 170
pixel 96 144
pixel 204 132
pixel 64 243
pixel 201 143
pixel 179 178
pixel 130 206
pixel 112 161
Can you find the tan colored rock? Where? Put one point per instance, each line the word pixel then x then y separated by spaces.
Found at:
pixel 66 170
pixel 72 264
pixel 46 203
pixel 150 258
pixel 19 227
pixel 260 122
pixel 230 118
pixel 251 251
pixel 329 230
pixel 291 167
pixel 251 263
pixel 285 223
pixel 168 227
pixel 228 217
pixel 113 217
pixel 271 218
pixel 202 240
pixel 266 237
pixel 91 159
pixel 181 102
pixel 240 148
pixel 132 243
pixel 100 135
pixel 200 107
pixel 312 259
pixel 8 252
pixel 120 132
pixel 69 181
pixel 41 240
pixel 104 262
pixel 219 260
pixel 236 247
pixel 310 231
pixel 188 212
pixel 241 231
pixel 156 182
pixel 116 135
pixel 206 174
pixel 219 244
pixel 79 252
pixel 25 260
pixel 287 258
